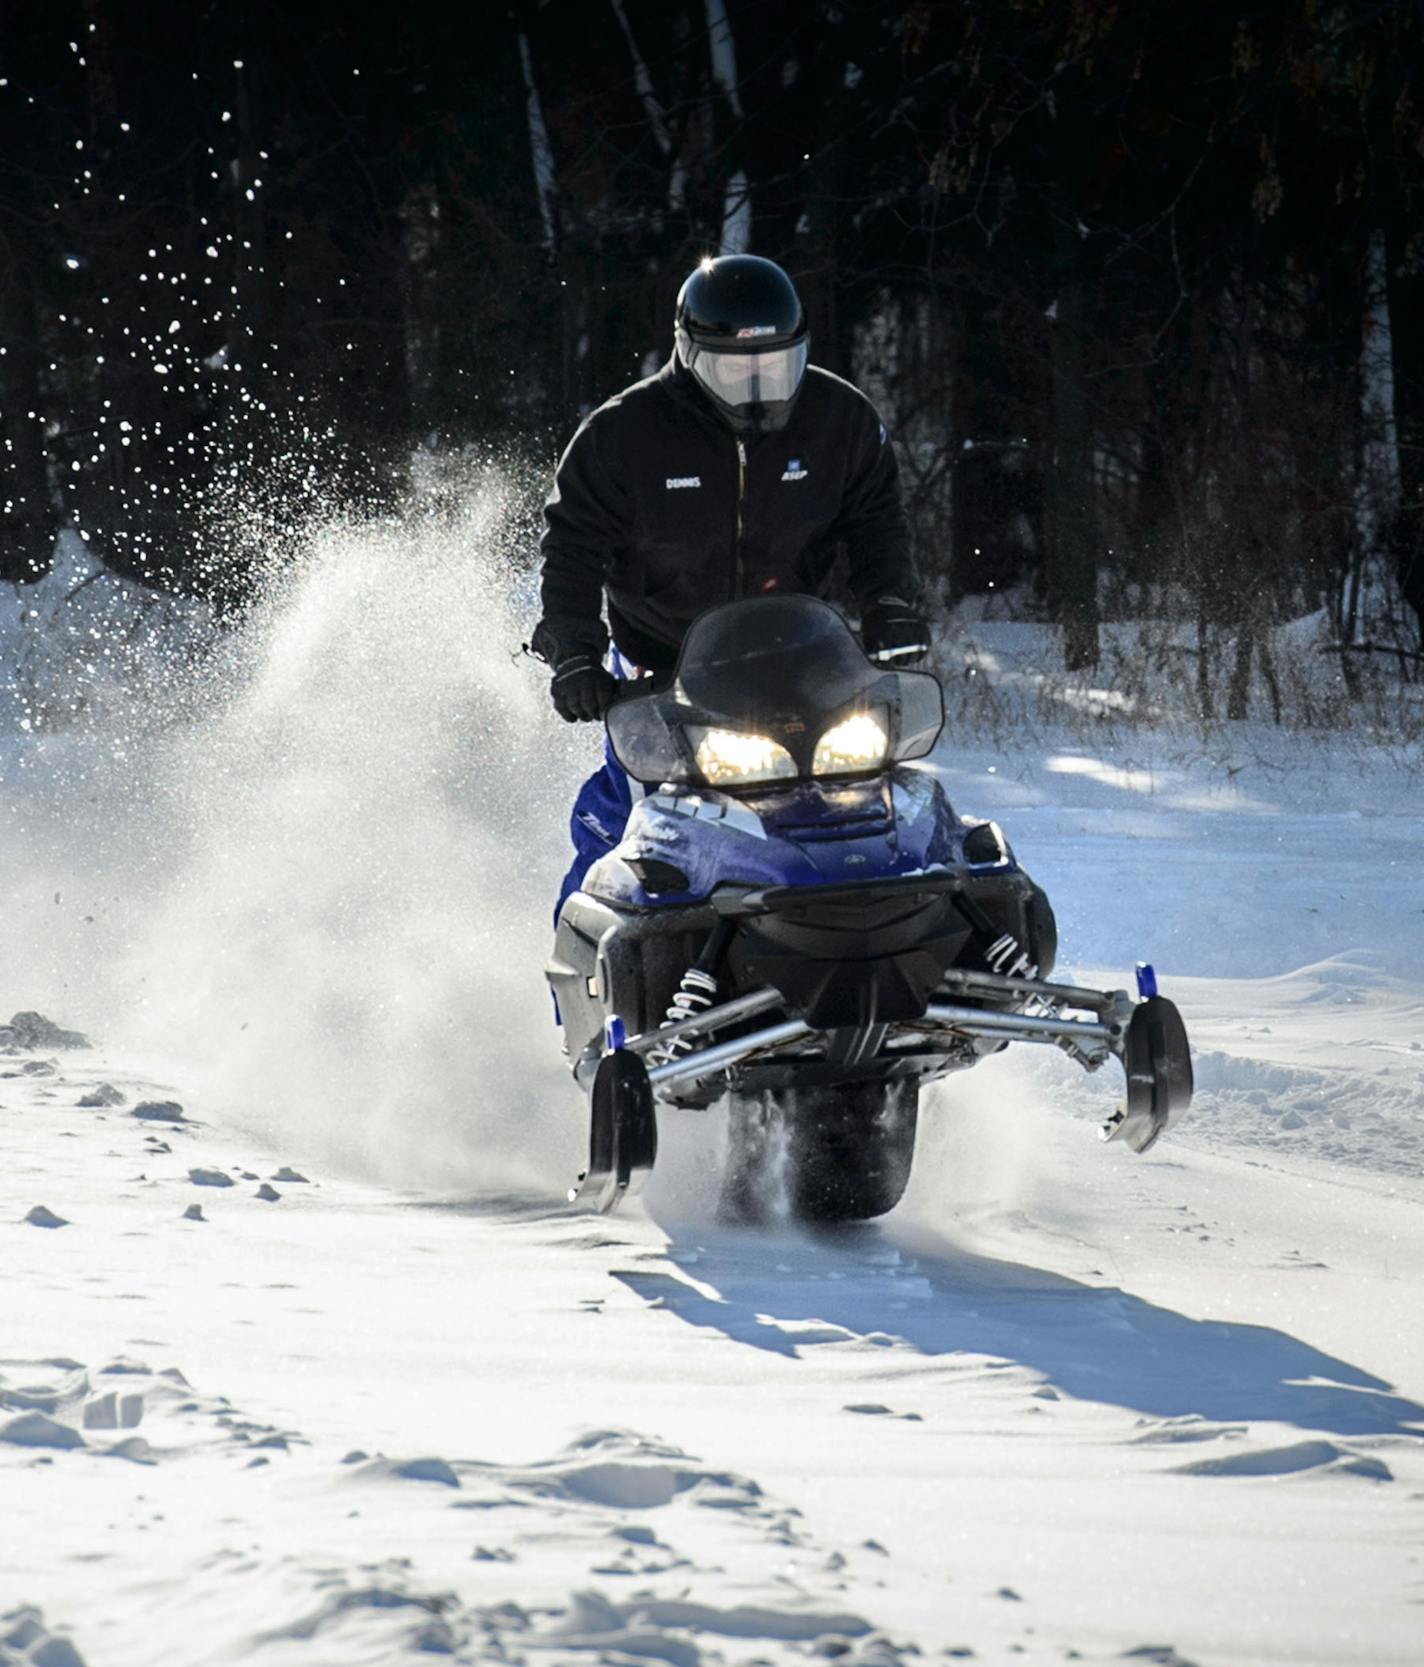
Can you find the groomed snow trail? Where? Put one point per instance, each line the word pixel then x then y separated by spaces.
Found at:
pixel 304 1359
pixel 1157 1407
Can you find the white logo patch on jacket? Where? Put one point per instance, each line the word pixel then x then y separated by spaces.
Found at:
pixel 675 482
pixel 794 471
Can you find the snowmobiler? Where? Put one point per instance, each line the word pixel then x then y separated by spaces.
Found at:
pixel 740 469
pixel 797 919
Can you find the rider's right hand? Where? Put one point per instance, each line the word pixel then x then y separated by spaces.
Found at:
pixel 582 691
pixel 894 631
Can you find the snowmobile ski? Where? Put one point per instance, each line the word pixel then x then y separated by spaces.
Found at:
pixel 623 1132
pixel 1158 1065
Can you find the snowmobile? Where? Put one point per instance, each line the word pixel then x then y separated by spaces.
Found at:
pixel 797 920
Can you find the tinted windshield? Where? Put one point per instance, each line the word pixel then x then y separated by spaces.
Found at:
pixel 787 667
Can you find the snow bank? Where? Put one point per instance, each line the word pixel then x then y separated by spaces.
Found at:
pixel 1160 674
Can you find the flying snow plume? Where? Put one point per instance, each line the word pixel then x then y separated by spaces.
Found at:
pixel 990 1143
pixel 323 905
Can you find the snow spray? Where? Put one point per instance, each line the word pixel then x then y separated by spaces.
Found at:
pixel 985 1148
pixel 320 900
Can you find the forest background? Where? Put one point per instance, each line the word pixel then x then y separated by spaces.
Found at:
pixel 1138 287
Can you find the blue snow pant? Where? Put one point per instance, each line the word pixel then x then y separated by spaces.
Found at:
pixel 600 813
pixel 603 805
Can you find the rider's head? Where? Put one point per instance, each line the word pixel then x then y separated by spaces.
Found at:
pixel 742 333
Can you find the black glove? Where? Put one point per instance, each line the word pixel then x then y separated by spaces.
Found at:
pixel 582 691
pixel 894 631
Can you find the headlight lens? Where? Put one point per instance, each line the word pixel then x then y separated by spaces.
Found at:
pixel 856 743
pixel 734 758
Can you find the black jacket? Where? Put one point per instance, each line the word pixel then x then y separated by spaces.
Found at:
pixel 654 502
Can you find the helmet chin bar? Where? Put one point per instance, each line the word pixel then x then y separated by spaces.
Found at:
pixel 752 418
pixel 757 419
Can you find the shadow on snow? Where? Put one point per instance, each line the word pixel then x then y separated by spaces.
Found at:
pixel 787 1293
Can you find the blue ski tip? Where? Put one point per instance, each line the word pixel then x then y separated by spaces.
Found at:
pixel 615 1033
pixel 1146 980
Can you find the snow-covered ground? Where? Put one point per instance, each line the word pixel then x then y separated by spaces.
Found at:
pixel 320 1368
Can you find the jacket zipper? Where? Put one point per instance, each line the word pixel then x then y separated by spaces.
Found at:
pixel 739 570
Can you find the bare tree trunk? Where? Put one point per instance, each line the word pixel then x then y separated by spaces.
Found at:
pixel 652 109
pixel 724 54
pixel 1268 673
pixel 540 151
pixel 1205 711
pixel 1075 567
pixel 1406 297
pixel 735 237
pixel 1377 492
pixel 1238 692
pixel 1252 644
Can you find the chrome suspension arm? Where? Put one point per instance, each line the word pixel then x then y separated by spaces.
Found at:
pixel 712 1018
pixel 711 1060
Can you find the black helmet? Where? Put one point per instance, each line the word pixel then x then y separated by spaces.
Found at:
pixel 742 333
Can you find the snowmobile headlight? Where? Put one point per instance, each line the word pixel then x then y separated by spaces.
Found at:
pixel 735 758
pixel 856 743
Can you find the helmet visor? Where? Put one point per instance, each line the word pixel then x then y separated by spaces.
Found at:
pixel 750 378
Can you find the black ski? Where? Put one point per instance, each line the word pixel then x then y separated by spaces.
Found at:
pixel 623 1132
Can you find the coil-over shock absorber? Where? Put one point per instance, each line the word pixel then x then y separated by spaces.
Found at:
pixel 696 992
pixel 1007 956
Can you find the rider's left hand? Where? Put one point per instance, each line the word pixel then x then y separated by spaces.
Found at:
pixel 894 631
